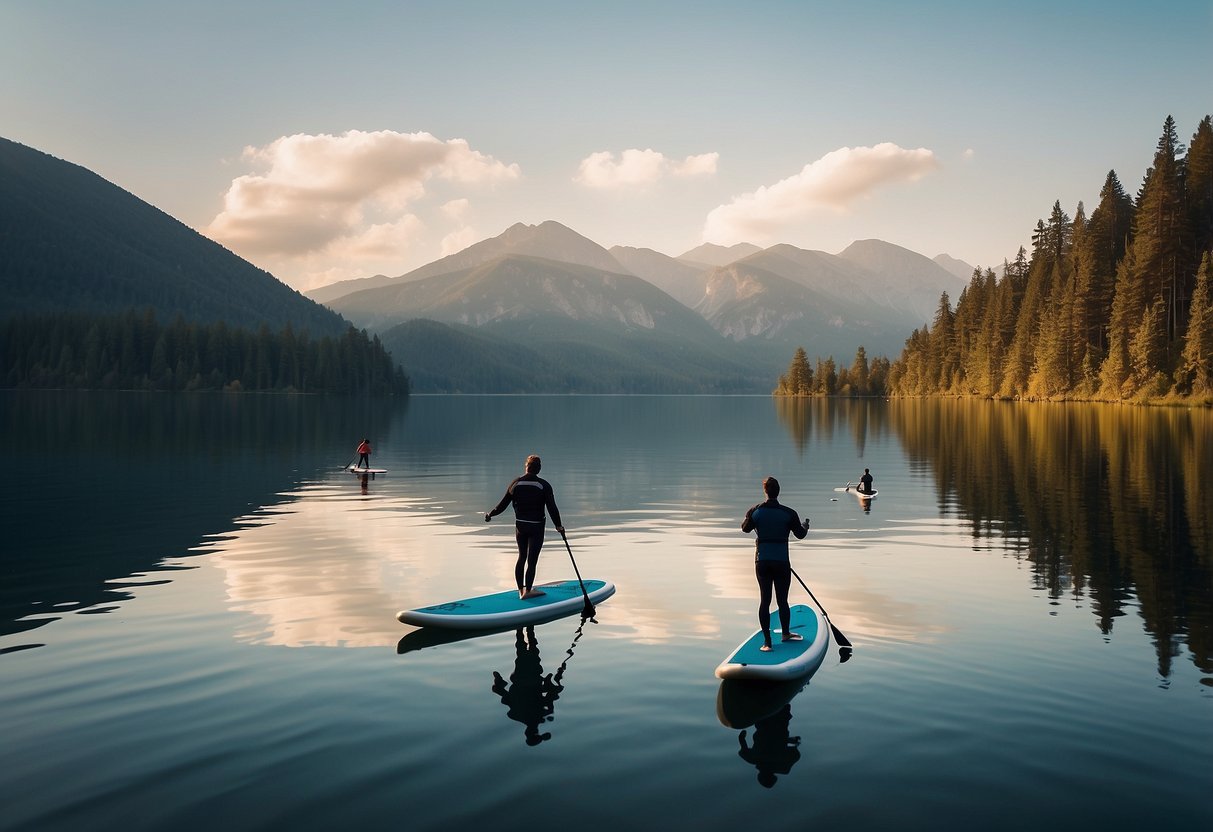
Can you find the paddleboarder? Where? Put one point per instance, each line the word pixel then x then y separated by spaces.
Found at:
pixel 865 482
pixel 530 496
pixel 364 454
pixel 773 522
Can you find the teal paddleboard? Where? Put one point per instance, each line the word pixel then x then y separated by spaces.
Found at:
pixel 505 609
pixel 787 659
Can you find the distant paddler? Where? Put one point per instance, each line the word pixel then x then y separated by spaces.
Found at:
pixel 865 483
pixel 530 495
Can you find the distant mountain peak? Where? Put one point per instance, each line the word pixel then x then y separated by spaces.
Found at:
pixel 711 254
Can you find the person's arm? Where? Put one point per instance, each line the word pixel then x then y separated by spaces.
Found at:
pixel 553 512
pixel 500 507
pixel 747 525
pixel 796 527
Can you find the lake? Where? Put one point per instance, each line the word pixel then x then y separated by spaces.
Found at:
pixel 197 616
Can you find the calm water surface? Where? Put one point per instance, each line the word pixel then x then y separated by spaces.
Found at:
pixel 197 622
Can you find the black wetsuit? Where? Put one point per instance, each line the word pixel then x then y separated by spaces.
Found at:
pixel 865 484
pixel 774 522
pixel 530 495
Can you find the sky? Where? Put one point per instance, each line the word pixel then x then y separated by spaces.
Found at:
pixel 327 141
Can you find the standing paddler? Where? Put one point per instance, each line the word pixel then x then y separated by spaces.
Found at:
pixel 531 495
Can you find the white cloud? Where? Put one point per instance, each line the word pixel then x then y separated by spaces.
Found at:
pixel 322 191
pixel 456 209
pixel 458 240
pixel 637 168
pixel 968 154
pixel 831 183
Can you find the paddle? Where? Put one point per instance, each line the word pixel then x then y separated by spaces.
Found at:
pixel 843 641
pixel 588 610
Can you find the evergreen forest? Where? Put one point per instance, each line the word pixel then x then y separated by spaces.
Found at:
pixel 1115 306
pixel 134 351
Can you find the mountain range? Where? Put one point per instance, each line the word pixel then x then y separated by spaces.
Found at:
pixel 537 308
pixel 762 303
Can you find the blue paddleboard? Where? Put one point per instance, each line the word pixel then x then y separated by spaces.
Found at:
pixel 506 609
pixel 788 659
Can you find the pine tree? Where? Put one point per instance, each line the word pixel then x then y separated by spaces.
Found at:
pixel 1199 186
pixel 1160 231
pixel 1049 244
pixel 1099 251
pixel 1148 351
pixel 1197 368
pixel 1128 304
pixel 942 358
pixel 859 372
pixel 800 374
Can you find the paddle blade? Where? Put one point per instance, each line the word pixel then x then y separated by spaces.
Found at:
pixel 839 638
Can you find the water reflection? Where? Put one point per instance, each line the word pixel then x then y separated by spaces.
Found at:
pixel 1102 501
pixel 530 696
pixel 139 479
pixel 765 707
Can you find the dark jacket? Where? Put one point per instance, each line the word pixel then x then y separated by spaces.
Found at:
pixel 773 522
pixel 530 495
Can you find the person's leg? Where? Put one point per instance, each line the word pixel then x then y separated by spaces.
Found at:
pixel 530 541
pixel 521 538
pixel 532 556
pixel 783 581
pixel 764 599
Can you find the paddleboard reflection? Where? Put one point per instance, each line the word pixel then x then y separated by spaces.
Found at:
pixel 766 707
pixel 529 694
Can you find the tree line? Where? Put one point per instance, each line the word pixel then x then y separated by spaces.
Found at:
pixel 1111 307
pixel 1117 306
pixel 862 378
pixel 134 351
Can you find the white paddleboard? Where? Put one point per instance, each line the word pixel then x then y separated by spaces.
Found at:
pixel 367 470
pixel 787 659
pixel 504 609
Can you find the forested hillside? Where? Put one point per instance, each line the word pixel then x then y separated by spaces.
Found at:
pixel 72 241
pixel 133 351
pixel 1112 306
pixel 1116 306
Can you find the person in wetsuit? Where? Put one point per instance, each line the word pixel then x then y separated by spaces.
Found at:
pixel 773 522
pixel 530 495
pixel 865 482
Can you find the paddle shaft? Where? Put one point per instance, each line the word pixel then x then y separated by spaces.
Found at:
pixel 589 607
pixel 842 640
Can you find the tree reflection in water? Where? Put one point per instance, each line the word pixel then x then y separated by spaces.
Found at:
pixel 1102 500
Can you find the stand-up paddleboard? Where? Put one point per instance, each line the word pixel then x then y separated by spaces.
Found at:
pixel 367 470
pixel 788 659
pixel 506 609
pixel 854 489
